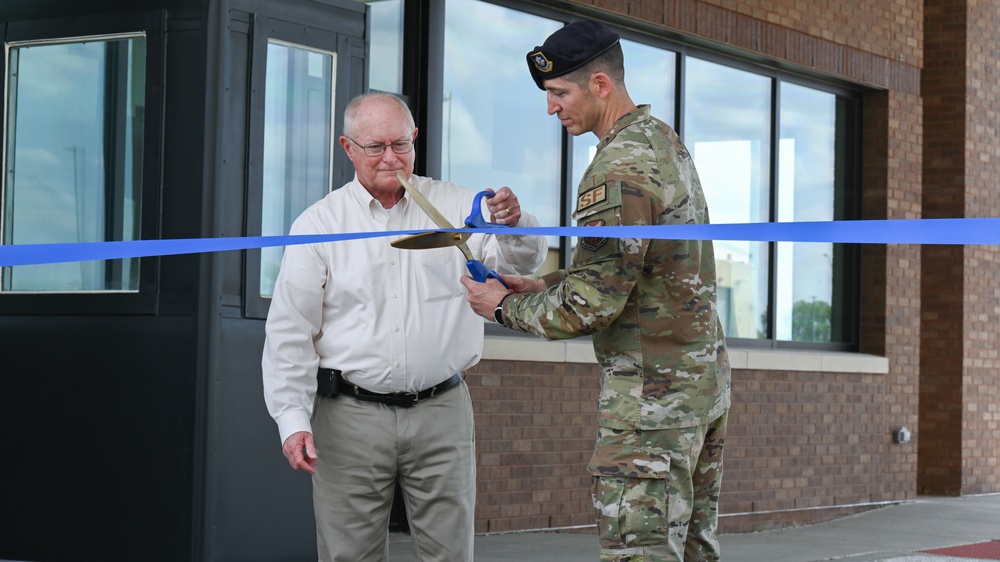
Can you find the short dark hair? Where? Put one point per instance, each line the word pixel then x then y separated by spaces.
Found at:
pixel 611 62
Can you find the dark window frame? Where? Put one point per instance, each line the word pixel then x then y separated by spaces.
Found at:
pixel 151 23
pixel 264 30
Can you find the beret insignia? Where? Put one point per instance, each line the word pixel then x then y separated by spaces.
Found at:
pixel 541 63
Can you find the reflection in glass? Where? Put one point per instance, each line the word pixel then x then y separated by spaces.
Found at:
pixel 806 173
pixel 727 129
pixel 73 160
pixel 298 129
pixel 495 128
pixel 386 66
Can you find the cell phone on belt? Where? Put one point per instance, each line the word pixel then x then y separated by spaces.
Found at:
pixel 327 382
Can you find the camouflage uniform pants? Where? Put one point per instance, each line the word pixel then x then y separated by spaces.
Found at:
pixel 668 519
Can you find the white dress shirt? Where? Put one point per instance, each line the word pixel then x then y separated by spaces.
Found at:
pixel 391 320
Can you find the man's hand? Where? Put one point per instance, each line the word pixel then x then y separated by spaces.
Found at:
pixel 504 208
pixel 524 284
pixel 484 297
pixel 300 451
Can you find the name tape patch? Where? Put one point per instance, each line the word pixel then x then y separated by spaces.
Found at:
pixel 597 195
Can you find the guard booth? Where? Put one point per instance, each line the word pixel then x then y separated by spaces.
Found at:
pixel 133 424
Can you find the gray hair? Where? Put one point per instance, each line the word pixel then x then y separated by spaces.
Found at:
pixel 352 109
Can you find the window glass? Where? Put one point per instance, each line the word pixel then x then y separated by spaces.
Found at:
pixel 650 77
pixel 298 142
pixel 727 124
pixel 386 68
pixel 73 158
pixel 495 130
pixel 805 192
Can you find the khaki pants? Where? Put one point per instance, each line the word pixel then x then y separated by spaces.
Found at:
pixel 364 447
pixel 671 519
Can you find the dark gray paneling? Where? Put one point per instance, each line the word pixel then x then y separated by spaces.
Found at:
pixel 96 420
pixel 257 507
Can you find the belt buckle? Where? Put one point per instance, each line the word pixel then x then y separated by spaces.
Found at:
pixel 401 399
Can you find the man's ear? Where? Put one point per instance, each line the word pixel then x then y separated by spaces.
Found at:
pixel 601 84
pixel 344 143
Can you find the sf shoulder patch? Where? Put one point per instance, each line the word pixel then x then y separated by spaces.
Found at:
pixel 598 204
pixel 592 197
pixel 592 243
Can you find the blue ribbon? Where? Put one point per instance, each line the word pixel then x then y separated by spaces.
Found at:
pixel 903 231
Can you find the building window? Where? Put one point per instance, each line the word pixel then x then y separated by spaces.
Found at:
pixel 75 119
pixel 727 129
pixel 810 187
pixel 298 142
pixel 780 292
pixel 769 146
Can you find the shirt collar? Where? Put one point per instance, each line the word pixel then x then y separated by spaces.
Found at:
pixel 366 201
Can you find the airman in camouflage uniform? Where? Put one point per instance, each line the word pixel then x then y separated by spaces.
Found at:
pixel 650 306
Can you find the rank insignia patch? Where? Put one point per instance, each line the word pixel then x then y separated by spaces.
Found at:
pixel 592 243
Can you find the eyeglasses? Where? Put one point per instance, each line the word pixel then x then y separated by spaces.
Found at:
pixel 378 149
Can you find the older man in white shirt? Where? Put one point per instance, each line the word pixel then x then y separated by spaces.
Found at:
pixel 388 334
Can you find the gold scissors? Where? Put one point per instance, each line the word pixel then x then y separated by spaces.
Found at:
pixel 427 240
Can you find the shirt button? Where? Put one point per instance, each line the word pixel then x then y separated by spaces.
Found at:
pixel 396 329
pixel 397 365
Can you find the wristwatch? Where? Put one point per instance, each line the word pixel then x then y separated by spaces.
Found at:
pixel 498 311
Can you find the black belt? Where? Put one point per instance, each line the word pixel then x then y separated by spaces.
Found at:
pixel 398 399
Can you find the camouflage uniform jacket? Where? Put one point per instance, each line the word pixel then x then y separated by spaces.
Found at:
pixel 650 305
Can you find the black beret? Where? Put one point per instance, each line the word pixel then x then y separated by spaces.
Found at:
pixel 568 49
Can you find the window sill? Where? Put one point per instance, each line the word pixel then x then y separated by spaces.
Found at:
pixel 515 348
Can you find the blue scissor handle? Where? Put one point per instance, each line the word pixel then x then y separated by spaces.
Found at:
pixel 481 273
pixel 475 219
pixel 477 268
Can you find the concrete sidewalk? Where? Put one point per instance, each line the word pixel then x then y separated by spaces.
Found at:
pixel 897 533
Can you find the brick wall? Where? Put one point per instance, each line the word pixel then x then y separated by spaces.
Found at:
pixel 981 423
pixel 799 441
pixel 940 443
pixel 535 428
pixel 878 43
pixel 802 447
pixel 964 158
pixel 890 277
pixel 960 398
